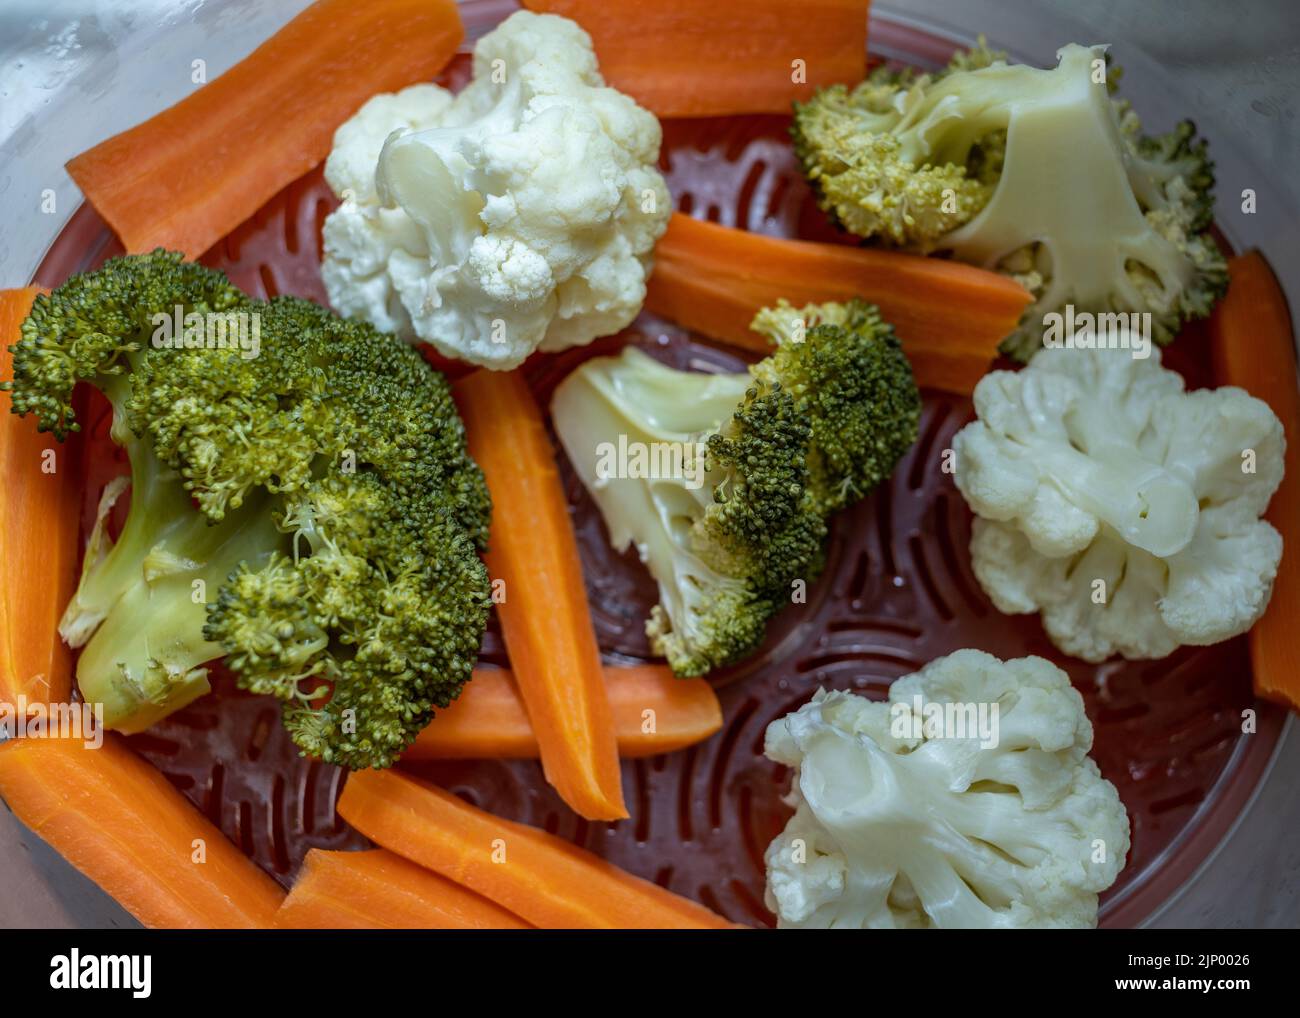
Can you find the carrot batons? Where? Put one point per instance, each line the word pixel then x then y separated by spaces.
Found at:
pixel 185 178
pixel 544 614
pixel 119 821
pixel 39 523
pixel 547 881
pixel 950 316
pixel 654 712
pixel 684 58
pixel 1254 348
pixel 379 890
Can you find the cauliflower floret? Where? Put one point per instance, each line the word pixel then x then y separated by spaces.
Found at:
pixel 1121 507
pixel 522 214
pixel 350 168
pixel 946 829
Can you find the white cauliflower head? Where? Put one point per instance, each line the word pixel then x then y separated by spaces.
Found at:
pixel 1122 508
pixel 939 831
pixel 522 214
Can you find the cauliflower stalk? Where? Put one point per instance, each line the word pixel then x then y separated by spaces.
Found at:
pixel 1038 174
pixel 1122 508
pixel 520 214
pixel 891 830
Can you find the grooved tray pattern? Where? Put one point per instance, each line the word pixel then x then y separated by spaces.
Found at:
pixel 897 592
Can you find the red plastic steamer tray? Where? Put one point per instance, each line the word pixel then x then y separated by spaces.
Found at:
pixel 897 592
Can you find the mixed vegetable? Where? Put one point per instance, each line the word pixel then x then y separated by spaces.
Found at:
pixel 770 455
pixel 314 504
pixel 1038 174
pixel 947 833
pixel 306 509
pixel 520 214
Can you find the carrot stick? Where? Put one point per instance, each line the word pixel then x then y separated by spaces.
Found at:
pixel 950 316
pixel 38 539
pixel 548 881
pixel 186 177
pixel 377 890
pixel 124 825
pixel 544 615
pixel 1254 348
pixel 683 58
pixel 654 712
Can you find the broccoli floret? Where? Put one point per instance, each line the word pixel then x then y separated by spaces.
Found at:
pixel 305 508
pixel 886 158
pixel 862 421
pixel 764 457
pixel 1038 174
pixel 312 393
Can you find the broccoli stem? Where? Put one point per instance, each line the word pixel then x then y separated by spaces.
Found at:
pixel 159 506
pixel 146 599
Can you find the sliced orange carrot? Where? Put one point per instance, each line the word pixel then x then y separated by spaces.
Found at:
pixel 186 177
pixel 950 316
pixel 119 821
pixel 1254 348
pixel 544 614
pixel 38 539
pixel 544 879
pixel 683 58
pixel 377 890
pixel 654 712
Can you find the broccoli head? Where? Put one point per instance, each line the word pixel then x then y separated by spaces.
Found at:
pixel 889 158
pixel 724 483
pixel 1038 174
pixel 303 506
pixel 845 404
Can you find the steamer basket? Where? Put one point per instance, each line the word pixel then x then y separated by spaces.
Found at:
pixel 898 591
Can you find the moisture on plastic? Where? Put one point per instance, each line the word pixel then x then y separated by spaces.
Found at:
pixel 897 592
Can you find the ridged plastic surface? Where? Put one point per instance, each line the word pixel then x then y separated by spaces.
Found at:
pixel 897 592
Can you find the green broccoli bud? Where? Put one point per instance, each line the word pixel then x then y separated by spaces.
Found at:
pixel 95 326
pixel 309 512
pixel 886 160
pixel 857 389
pixel 1079 206
pixel 769 455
